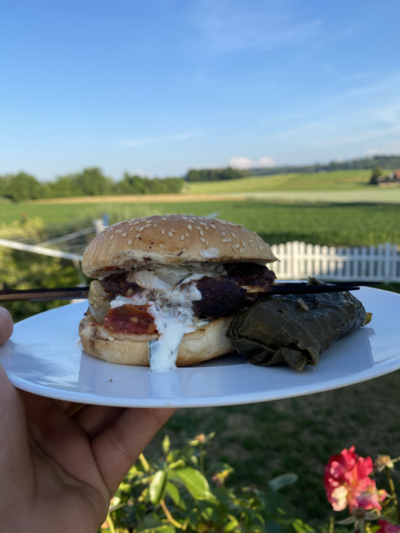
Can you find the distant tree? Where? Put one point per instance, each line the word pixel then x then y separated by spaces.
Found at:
pixel 92 182
pixel 215 174
pixel 21 187
pixel 375 174
pixel 133 184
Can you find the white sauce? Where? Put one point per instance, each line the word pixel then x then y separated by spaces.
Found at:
pixel 171 307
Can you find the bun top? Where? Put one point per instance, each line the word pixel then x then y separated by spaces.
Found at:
pixel 172 240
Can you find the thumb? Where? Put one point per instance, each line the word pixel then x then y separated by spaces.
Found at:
pixel 6 325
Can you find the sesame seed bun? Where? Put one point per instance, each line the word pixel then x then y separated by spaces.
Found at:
pixel 203 344
pixel 172 240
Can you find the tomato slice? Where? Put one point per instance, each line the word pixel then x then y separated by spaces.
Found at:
pixel 132 319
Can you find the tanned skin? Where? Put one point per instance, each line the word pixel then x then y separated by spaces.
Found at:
pixel 60 463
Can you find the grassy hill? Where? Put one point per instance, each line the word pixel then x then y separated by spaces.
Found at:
pixel 322 181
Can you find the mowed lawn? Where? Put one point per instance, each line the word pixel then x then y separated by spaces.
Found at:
pixel 331 224
pixel 316 181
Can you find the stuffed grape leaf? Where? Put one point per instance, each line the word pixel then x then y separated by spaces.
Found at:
pixel 295 329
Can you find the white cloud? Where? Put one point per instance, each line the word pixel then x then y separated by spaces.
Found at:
pixel 244 162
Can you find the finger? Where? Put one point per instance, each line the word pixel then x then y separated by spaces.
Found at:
pixel 70 408
pixel 94 419
pixel 118 446
pixel 6 325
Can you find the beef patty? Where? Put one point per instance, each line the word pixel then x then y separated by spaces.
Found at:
pixel 223 296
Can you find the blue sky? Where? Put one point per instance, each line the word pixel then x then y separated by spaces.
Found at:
pixel 161 86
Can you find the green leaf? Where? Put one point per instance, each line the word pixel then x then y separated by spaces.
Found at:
pixel 282 481
pixel 170 457
pixel 300 527
pixel 194 482
pixel 173 493
pixel 152 524
pixel 232 524
pixel 158 486
pixel 177 464
pixel 347 521
pixel 166 444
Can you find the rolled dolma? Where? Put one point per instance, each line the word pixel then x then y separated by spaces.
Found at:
pixel 295 329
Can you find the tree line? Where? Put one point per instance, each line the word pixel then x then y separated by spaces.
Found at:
pixel 215 174
pixel 365 163
pixel 90 182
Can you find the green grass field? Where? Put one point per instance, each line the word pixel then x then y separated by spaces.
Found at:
pixel 324 181
pixel 333 224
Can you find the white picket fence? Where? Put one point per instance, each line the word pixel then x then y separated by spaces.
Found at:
pixel 368 263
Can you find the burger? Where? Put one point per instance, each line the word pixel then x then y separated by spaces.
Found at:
pixel 165 289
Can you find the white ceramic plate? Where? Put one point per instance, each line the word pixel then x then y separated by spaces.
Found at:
pixel 43 357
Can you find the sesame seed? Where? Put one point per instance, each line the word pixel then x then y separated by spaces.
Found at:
pixel 161 246
pixel 124 234
pixel 202 240
pixel 233 248
pixel 250 240
pixel 173 230
pixel 187 234
pixel 198 227
pixel 136 222
pixel 184 218
pixel 228 240
pixel 110 338
pixel 170 233
pixel 202 233
pixel 224 240
pixel 163 231
pixel 231 224
pixel 138 235
pixel 111 237
pixel 182 237
pixel 147 225
pixel 212 226
pixel 244 244
pixel 233 235
pixel 237 246
pixel 254 233
pixel 203 224
pixel 241 250
pixel 222 222
pixel 261 247
pixel 130 241
pixel 223 234
pixel 189 226
pixel 154 225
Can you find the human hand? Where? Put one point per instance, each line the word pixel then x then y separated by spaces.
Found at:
pixel 58 472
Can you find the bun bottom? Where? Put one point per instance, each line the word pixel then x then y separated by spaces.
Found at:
pixel 201 345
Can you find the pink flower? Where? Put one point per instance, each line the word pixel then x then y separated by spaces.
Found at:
pixel 347 482
pixel 387 527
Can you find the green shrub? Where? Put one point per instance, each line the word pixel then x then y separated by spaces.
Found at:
pixel 178 491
